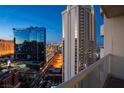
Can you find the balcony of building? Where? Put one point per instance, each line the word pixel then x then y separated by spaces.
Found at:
pixel 109 70
pixel 106 72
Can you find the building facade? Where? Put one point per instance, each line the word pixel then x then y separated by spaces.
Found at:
pixel 30 44
pixel 6 47
pixel 79 40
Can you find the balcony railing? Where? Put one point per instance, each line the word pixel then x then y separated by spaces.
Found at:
pixel 95 75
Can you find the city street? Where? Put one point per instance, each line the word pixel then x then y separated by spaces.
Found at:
pixel 55 62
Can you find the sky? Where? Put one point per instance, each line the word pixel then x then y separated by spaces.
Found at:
pixel 26 16
pixel 42 16
pixel 99 22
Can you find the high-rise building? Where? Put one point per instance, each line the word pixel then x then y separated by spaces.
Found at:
pixel 30 45
pixel 79 40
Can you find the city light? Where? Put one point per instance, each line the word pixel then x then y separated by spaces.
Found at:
pixel 58 62
pixel 6 47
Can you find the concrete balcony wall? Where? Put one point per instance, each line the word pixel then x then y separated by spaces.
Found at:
pixel 98 76
pixel 95 76
pixel 92 77
pixel 117 66
pixel 114 36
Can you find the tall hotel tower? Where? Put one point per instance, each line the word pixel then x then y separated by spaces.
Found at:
pixel 30 46
pixel 79 40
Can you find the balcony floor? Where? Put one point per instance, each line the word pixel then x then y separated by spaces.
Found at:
pixel 113 82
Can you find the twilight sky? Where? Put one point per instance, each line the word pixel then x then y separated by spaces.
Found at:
pixel 42 16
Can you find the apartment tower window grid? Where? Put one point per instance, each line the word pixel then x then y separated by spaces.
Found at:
pixel 78 39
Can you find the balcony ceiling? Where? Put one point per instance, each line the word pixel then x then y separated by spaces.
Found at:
pixel 113 10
